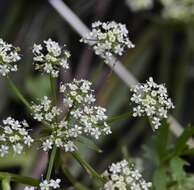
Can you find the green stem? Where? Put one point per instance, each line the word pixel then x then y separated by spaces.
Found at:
pixel 54 149
pixel 118 117
pixel 19 94
pixel 19 179
pixel 51 162
pixel 21 97
pixel 5 183
pixel 53 90
pixel 87 167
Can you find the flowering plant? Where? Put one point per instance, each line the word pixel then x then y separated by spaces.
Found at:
pixel 64 124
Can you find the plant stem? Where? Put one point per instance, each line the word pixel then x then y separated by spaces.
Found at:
pixel 19 94
pixel 54 149
pixel 51 162
pixel 118 117
pixel 5 183
pixel 19 179
pixel 53 90
pixel 86 166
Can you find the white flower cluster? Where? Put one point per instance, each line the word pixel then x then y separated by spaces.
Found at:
pixel 81 118
pixel 49 57
pixel 182 10
pixel 47 185
pixel 122 176
pixel 8 57
pixel 138 5
pixel 14 136
pixel 79 99
pixel 151 100
pixel 108 39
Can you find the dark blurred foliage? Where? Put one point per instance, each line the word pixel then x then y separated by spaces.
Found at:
pixel 163 50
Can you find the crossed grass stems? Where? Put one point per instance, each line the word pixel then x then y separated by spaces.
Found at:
pixel 7 177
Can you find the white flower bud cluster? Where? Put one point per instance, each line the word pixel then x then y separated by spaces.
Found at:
pixel 122 176
pixel 14 136
pixel 139 5
pixel 82 116
pixel 8 57
pixel 47 185
pixel 182 10
pixel 49 57
pixel 108 39
pixel 151 100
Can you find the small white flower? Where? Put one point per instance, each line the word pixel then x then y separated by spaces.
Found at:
pixel 28 140
pixel 55 183
pixel 115 168
pixel 47 145
pixel 45 185
pixel 3 150
pixel 70 146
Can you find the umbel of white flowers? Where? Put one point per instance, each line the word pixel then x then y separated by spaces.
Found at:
pixel 8 57
pixel 108 39
pixel 14 137
pixel 151 100
pixel 46 185
pixel 49 57
pixel 123 176
pixel 82 117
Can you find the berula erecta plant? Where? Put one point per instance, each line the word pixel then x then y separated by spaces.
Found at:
pixel 78 116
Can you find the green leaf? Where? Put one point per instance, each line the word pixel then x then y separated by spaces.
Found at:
pixel 160 179
pixel 176 166
pixel 19 179
pixel 182 140
pixel 161 139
